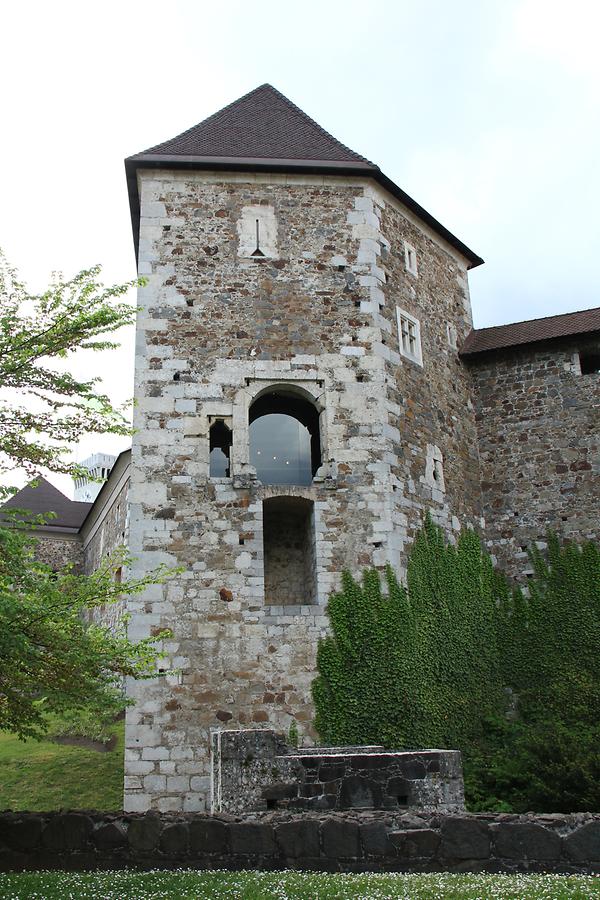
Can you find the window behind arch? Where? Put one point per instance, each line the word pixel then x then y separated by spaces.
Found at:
pixel 285 444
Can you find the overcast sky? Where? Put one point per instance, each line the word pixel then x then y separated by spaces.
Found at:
pixel 485 111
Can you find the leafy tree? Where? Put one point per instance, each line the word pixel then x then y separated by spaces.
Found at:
pixel 54 658
pixel 44 409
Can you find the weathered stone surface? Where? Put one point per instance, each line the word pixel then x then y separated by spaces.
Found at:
pixel 341 838
pixel 252 839
pixel 584 843
pixel 357 792
pixel 375 839
pixel 350 841
pixel 299 838
pixel 258 583
pixel 69 831
pixel 208 836
pixel 174 839
pixel 21 833
pixel 464 838
pixel 517 840
pixel 143 833
pixel 110 835
pixel 420 842
pixel 538 422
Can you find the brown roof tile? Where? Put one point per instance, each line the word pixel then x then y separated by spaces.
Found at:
pixel 45 498
pixel 481 340
pixel 263 124
pixel 264 131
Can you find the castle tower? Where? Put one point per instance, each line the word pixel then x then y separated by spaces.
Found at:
pixel 99 465
pixel 300 405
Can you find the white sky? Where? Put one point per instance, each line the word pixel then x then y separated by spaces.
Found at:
pixel 485 111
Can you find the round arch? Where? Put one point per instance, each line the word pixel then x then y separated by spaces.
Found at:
pixel 285 439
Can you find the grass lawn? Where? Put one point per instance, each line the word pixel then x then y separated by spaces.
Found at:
pixel 41 776
pixel 296 885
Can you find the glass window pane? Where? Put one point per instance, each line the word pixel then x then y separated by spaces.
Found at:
pixel 280 450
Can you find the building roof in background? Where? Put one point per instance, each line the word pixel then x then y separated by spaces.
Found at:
pixel 264 131
pixel 44 498
pixel 482 340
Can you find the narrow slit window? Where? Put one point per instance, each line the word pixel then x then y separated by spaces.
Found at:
pixel 410 258
pixel 221 440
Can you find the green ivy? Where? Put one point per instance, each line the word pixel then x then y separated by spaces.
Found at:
pixel 458 659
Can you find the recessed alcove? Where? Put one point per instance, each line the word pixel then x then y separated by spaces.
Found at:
pixel 289 551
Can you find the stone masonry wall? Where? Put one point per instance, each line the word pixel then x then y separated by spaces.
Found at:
pixel 538 420
pixel 332 842
pixel 105 536
pixel 216 329
pixel 254 770
pixel 57 551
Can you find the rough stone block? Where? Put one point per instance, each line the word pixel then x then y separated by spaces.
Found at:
pixel 253 839
pixel 208 835
pixel 340 838
pixel 584 843
pixel 143 833
pixel 375 839
pixel 419 842
pixel 21 833
pixel 516 840
pixel 360 793
pixel 109 836
pixel 70 831
pixel 280 791
pixel 299 838
pixel 174 839
pixel 464 838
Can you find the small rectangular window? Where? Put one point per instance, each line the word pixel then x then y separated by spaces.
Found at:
pixel 410 258
pixel 409 334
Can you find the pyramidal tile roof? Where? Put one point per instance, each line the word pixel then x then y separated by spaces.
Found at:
pixel 532 331
pixel 262 124
pixel 43 497
pixel 264 131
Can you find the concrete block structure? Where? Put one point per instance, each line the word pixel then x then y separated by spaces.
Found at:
pixel 308 385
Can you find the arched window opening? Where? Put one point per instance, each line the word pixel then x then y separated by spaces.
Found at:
pixel 289 551
pixel 221 440
pixel 285 443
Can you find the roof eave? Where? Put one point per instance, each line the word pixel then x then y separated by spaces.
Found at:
pixel 316 167
pixel 472 355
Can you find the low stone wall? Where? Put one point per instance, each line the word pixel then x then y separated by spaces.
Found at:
pixel 350 842
pixel 253 770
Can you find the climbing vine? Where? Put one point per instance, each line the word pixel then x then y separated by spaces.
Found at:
pixel 456 658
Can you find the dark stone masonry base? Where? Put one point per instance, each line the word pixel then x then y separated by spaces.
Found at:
pixel 330 842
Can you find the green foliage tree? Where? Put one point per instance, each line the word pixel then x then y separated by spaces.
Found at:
pixel 44 409
pixel 53 657
pixel 546 756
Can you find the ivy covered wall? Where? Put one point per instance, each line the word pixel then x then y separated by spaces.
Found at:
pixel 458 659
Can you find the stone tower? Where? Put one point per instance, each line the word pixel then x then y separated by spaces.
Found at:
pixel 300 405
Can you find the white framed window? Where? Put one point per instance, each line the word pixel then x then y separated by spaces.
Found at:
pixel 409 335
pixel 410 258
